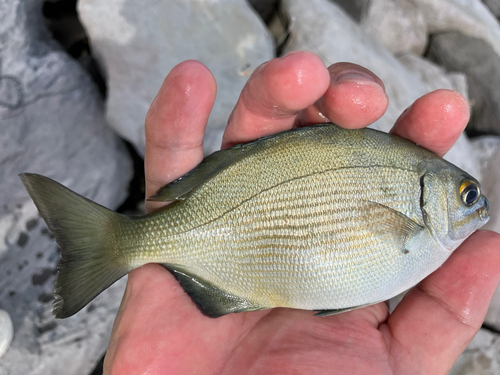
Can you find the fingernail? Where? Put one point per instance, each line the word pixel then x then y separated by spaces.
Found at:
pixel 358 77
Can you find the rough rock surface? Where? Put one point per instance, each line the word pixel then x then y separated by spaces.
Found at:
pixel 487 150
pixel 482 356
pixel 477 59
pixel 493 315
pixel 323 28
pixel 52 121
pixel 398 24
pixel 470 17
pixel 138 43
pixel 434 76
pixel 493 6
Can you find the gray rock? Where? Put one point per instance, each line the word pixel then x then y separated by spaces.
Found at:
pixel 6 332
pixel 475 58
pixel 434 76
pixel 323 28
pixel 482 356
pixel 138 43
pixel 52 121
pixel 493 6
pixel 398 24
pixel 487 151
pixel 356 9
pixel 470 17
pixel 493 315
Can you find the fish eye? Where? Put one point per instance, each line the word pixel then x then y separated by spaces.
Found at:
pixel 469 192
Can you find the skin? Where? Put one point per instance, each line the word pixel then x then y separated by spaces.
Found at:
pixel 159 330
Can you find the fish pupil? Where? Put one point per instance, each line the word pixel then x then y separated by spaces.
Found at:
pixel 471 195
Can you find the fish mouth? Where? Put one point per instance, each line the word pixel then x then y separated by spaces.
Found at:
pixel 483 211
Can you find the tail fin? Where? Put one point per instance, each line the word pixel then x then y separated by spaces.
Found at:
pixel 90 260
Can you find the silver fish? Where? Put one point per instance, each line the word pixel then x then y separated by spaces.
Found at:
pixel 319 218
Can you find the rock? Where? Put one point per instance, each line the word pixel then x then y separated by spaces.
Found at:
pixel 487 151
pixel 323 28
pixel 52 120
pixel 475 58
pixel 356 9
pixel 398 24
pixel 433 76
pixel 482 356
pixel 470 17
pixel 138 43
pixel 493 6
pixel 6 332
pixel 493 315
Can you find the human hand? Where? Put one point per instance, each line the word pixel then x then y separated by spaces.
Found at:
pixel 159 330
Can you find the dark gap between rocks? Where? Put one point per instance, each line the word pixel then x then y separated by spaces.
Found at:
pixel 491 328
pixel 98 369
pixel 61 19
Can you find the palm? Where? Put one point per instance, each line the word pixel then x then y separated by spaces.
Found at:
pixel 278 338
pixel 292 341
pixel 159 330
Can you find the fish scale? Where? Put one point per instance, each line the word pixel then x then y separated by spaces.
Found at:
pixel 318 218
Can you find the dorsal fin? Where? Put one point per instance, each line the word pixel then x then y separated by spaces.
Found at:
pixel 178 189
pixel 213 163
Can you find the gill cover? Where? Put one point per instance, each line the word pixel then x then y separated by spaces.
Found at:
pixel 433 202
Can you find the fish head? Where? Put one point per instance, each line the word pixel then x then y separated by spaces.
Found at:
pixel 452 203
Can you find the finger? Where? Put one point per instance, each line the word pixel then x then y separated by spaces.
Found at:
pixel 436 321
pixel 175 125
pixel 355 98
pixel 274 94
pixel 434 121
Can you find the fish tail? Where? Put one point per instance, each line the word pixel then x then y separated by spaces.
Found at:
pixel 90 259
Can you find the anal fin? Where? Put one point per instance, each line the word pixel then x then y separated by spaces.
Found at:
pixel 339 311
pixel 211 300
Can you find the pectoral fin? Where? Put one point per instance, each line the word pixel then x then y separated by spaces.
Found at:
pixel 211 300
pixel 403 228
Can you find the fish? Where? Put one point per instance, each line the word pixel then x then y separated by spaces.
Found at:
pixel 318 218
